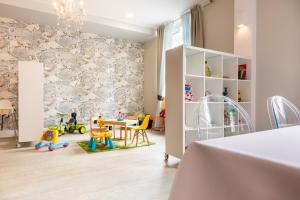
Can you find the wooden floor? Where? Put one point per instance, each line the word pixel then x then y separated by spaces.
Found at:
pixel 71 173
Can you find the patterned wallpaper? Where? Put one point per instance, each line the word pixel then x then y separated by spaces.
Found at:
pixel 88 73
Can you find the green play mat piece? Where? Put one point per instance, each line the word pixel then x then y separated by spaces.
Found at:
pixel 120 145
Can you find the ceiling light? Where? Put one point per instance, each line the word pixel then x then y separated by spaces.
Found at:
pixel 70 14
pixel 129 15
pixel 241 26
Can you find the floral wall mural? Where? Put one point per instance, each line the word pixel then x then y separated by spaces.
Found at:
pixel 89 74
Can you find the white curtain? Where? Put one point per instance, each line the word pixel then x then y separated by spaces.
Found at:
pixel 186 28
pixel 167 44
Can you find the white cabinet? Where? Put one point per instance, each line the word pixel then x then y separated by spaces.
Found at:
pixel 186 65
pixel 31 106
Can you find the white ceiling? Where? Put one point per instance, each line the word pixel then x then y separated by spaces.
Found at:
pixel 147 14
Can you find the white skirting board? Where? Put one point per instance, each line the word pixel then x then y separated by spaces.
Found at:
pixel 31 103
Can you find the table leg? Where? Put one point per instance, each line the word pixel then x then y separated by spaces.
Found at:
pixel 2 122
pixel 114 131
pixel 125 135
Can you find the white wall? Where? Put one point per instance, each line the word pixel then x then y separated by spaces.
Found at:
pixel 150 77
pixel 278 51
pixel 245 40
pixel 218 25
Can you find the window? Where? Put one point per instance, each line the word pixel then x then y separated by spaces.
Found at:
pixel 177 33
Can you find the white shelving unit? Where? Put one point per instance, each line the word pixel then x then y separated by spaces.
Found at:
pixel 186 64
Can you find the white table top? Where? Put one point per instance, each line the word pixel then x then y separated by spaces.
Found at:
pixel 128 121
pixel 279 145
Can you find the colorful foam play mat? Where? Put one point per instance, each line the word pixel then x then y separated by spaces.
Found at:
pixel 119 145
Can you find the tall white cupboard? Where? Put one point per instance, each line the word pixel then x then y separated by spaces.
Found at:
pixel 30 101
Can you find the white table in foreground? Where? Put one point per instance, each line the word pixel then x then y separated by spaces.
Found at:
pixel 259 166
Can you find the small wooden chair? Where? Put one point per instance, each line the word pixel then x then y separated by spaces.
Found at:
pixel 158 123
pixel 128 127
pixel 141 130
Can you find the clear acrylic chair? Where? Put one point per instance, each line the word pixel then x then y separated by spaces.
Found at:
pixel 282 112
pixel 218 116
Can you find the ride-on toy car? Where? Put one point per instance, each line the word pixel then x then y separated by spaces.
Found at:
pixel 61 127
pixel 73 125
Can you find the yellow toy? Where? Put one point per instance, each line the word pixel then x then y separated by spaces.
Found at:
pixel 207 70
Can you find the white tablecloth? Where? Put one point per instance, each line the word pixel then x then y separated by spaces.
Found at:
pixel 258 166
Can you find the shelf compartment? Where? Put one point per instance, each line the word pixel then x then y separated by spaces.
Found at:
pixel 247 107
pixel 195 64
pixel 247 63
pixel 243 129
pixel 191 122
pixel 215 64
pixel 245 90
pixel 213 86
pixel 191 136
pixel 197 87
pixel 230 67
pixel 231 131
pixel 212 116
pixel 214 133
pixel 231 86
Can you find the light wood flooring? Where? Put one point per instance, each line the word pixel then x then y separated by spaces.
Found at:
pixel 71 173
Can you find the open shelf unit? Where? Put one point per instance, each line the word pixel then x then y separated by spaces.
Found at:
pixel 187 65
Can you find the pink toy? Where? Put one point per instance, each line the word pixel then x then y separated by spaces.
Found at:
pixel 188 93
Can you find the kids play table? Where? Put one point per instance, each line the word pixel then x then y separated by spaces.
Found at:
pixel 114 122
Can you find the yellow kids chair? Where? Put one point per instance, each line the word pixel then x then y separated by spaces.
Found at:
pixel 141 130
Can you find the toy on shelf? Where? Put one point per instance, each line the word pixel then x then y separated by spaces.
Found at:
pixel 188 93
pixel 98 134
pixel 225 92
pixel 207 92
pixel 207 70
pixel 230 118
pixel 233 119
pixel 49 139
pixel 73 125
pixel 120 117
pixel 239 96
pixel 242 74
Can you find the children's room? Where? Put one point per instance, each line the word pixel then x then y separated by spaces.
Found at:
pixel 149 100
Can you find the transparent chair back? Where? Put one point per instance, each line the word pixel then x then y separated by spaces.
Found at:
pixel 282 112
pixel 219 116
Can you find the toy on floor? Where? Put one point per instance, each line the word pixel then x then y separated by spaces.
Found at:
pixel 73 125
pixel 100 134
pixel 61 127
pixel 49 138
